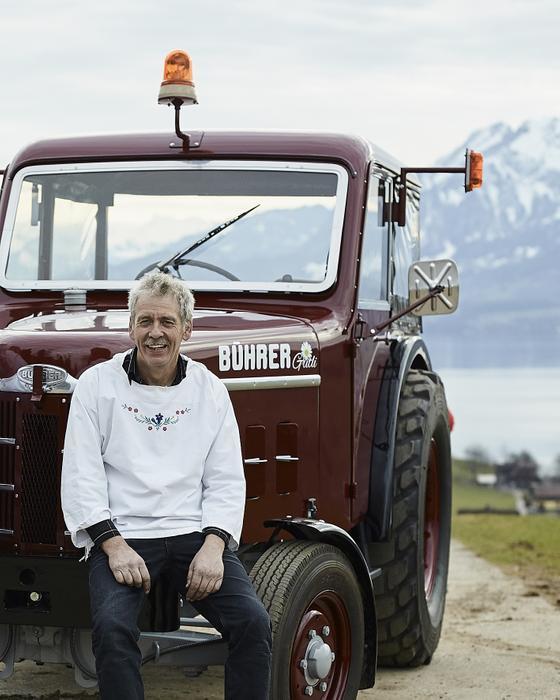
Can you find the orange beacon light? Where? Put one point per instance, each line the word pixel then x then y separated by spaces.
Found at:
pixel 473 170
pixel 177 81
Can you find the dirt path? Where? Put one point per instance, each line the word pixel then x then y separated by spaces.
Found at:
pixel 499 641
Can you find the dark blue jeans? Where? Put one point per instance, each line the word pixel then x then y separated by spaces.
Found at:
pixel 234 610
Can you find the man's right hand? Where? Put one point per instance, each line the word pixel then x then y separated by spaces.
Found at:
pixel 127 566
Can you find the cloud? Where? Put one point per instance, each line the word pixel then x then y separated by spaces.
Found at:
pixel 415 75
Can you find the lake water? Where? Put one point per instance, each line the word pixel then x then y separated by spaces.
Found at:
pixel 506 410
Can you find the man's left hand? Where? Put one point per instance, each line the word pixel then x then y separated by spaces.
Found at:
pixel 206 571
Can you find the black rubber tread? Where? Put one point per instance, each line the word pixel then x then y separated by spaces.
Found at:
pixel 276 573
pixel 272 566
pixel 408 632
pixel 279 577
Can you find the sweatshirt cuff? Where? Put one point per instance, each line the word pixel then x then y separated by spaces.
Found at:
pixel 102 531
pixel 222 534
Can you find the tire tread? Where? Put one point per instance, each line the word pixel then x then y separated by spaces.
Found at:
pixel 401 642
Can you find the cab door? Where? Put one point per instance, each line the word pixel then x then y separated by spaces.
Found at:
pixel 371 356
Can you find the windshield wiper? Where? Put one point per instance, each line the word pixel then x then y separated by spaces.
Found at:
pixel 179 257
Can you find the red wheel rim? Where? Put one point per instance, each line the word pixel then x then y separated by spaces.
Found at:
pixel 431 522
pixel 326 610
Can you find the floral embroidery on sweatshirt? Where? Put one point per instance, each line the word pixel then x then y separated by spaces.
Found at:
pixel 159 420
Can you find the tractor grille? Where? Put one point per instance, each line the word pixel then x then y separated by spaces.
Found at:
pixel 7 462
pixel 31 519
pixel 39 478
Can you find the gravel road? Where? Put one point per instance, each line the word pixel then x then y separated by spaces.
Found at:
pixel 500 641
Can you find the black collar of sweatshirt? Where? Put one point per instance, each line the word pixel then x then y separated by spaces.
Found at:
pixel 130 366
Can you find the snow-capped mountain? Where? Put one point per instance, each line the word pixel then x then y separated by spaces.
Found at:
pixel 506 239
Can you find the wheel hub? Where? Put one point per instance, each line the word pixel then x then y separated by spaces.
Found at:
pixel 322 649
pixel 317 661
pixel 431 522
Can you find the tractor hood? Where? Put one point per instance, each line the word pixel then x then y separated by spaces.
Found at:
pixel 230 343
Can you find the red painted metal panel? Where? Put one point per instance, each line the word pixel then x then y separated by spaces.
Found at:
pixel 329 420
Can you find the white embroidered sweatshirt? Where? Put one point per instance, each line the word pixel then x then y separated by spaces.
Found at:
pixel 158 461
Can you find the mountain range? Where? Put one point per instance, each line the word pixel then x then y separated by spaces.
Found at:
pixel 505 238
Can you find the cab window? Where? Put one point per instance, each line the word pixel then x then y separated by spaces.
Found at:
pixel 373 259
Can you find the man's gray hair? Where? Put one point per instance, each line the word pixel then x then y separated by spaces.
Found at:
pixel 161 284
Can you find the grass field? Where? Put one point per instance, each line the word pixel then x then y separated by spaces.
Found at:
pixel 528 546
pixel 471 496
pixel 513 540
pixel 466 493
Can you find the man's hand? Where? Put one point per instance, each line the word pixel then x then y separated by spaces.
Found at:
pixel 206 571
pixel 127 566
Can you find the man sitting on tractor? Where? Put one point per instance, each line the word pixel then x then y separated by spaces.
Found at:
pixel 153 484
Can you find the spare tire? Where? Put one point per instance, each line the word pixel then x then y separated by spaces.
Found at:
pixel 410 593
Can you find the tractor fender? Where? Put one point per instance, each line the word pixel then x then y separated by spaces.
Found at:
pixel 320 531
pixel 406 354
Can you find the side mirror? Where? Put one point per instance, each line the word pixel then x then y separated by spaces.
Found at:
pixel 424 276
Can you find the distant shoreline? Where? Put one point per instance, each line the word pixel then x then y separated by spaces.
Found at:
pixel 505 410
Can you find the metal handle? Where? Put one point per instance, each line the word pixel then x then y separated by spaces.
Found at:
pixel 7 487
pixel 255 460
pixel 286 458
pixel 7 441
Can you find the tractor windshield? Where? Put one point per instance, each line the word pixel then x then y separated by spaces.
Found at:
pixel 100 225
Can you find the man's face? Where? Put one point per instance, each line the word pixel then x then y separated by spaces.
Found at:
pixel 157 331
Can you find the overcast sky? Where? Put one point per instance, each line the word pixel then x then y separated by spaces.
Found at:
pixel 415 76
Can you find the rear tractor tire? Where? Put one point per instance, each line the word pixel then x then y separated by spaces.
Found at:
pixel 410 594
pixel 315 604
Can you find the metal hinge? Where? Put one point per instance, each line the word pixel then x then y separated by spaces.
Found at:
pixel 360 330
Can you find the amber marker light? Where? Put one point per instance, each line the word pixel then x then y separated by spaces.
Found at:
pixel 473 170
pixel 177 81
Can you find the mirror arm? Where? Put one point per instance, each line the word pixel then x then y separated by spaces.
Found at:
pixel 432 293
pixel 401 186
